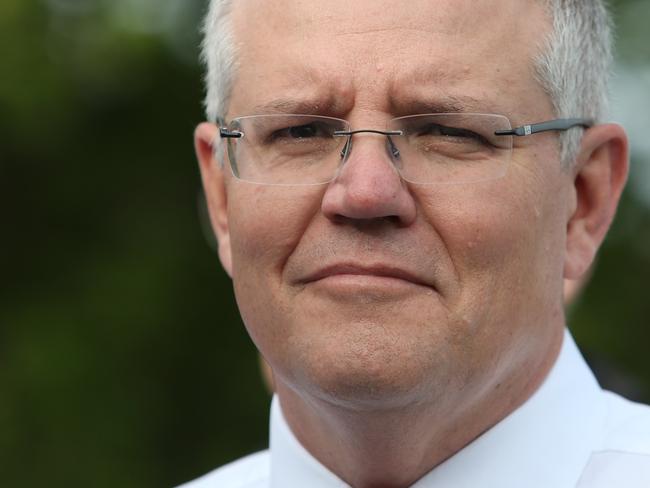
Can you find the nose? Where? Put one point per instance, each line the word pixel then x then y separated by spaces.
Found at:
pixel 368 186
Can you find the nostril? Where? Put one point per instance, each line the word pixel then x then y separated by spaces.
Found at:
pixel 393 219
pixel 368 224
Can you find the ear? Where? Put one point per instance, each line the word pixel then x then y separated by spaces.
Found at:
pixel 600 174
pixel 214 187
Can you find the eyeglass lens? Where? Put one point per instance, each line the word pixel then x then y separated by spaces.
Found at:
pixel 431 149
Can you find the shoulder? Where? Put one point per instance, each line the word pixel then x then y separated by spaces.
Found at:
pixel 623 458
pixel 627 425
pixel 248 472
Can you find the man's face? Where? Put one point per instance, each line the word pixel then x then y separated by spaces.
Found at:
pixel 372 289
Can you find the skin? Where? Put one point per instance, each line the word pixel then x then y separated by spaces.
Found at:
pixel 383 377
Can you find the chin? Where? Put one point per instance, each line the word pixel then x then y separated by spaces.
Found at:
pixel 368 374
pixel 366 393
pixel 380 355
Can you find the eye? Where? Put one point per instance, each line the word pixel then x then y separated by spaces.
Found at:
pixel 452 132
pixel 304 131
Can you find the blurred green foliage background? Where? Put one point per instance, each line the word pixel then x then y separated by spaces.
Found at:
pixel 123 361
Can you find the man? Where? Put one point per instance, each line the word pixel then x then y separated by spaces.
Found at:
pixel 397 227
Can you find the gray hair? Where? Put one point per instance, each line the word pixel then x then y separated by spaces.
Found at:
pixel 573 65
pixel 218 55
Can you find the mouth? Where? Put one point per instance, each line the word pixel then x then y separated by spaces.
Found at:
pixel 356 277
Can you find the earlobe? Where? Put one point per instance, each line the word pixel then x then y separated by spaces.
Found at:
pixel 600 175
pixel 214 188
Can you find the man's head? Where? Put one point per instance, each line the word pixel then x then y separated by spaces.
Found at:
pixel 371 290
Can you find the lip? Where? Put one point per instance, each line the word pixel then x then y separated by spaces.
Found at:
pixel 379 272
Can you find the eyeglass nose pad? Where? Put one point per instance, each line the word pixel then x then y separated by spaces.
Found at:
pixel 392 148
pixel 346 149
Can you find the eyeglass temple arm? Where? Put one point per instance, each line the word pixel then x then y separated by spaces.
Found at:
pixel 230 134
pixel 557 124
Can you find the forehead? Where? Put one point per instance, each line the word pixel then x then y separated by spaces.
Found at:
pixel 337 56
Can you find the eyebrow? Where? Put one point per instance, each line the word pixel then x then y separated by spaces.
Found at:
pixel 438 105
pixel 296 106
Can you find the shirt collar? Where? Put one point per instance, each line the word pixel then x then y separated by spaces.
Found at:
pixel 545 442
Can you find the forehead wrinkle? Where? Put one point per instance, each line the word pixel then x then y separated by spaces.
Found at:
pixel 449 85
pixel 303 89
pixel 395 31
pixel 433 94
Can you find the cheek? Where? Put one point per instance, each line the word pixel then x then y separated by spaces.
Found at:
pixel 266 223
pixel 502 237
pixel 478 226
pixel 503 243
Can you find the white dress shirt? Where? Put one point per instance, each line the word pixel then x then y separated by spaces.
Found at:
pixel 570 433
